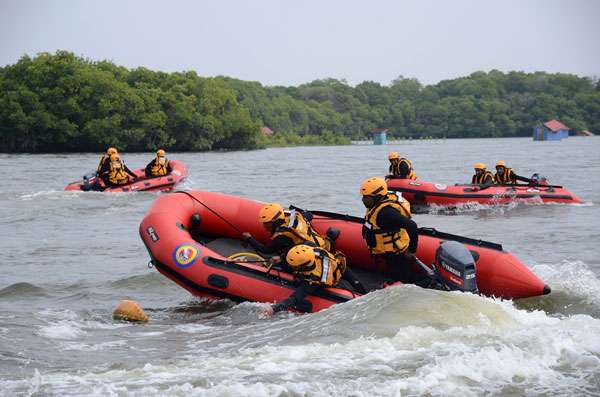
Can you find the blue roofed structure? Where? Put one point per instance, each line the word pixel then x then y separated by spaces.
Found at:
pixel 552 130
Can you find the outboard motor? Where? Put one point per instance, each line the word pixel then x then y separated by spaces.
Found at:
pixel 87 181
pixel 539 180
pixel 455 267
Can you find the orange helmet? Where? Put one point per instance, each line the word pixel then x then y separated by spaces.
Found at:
pixel 374 186
pixel 393 156
pixel 480 166
pixel 160 153
pixel 111 150
pixel 500 163
pixel 300 256
pixel 271 213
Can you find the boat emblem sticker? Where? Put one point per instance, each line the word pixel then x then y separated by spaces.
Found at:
pixel 440 186
pixel 414 183
pixel 185 255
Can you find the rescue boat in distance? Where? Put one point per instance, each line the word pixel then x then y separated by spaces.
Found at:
pixel 193 237
pixel 422 194
pixel 163 183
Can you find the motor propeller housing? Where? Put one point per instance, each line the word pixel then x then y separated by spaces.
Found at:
pixel 455 267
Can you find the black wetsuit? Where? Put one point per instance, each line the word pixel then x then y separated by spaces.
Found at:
pixel 390 220
pixel 513 177
pixel 280 245
pixel 296 299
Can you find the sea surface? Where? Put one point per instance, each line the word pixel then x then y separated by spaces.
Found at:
pixel 67 259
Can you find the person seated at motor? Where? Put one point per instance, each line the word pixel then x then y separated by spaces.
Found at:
pixel 314 268
pixel 118 173
pixel 506 176
pixel 104 164
pixel 390 234
pixel 287 229
pixel 400 167
pixel 482 175
pixel 159 166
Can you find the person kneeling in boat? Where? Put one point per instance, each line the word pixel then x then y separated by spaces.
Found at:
pixel 159 166
pixel 104 164
pixel 400 167
pixel 287 229
pixel 482 176
pixel 506 176
pixel 314 268
pixel 390 234
pixel 118 173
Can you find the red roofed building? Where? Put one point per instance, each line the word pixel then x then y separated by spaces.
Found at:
pixel 552 130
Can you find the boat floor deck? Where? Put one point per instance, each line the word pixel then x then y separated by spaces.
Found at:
pixel 228 246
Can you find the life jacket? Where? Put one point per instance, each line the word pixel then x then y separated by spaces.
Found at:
pixel 507 178
pixel 395 169
pixel 326 270
pixel 117 175
pixel 404 204
pixel 299 230
pixel 159 169
pixel 382 242
pixel 479 179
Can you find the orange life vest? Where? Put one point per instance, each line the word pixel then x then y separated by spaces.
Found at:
pixel 395 168
pixel 507 178
pixel 117 174
pixel 326 270
pixel 299 230
pixel 382 242
pixel 159 169
pixel 480 179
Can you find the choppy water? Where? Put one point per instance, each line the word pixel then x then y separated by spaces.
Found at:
pixel 67 258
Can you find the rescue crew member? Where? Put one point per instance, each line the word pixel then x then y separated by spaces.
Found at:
pixel 118 173
pixel 104 164
pixel 159 166
pixel 482 175
pixel 506 176
pixel 287 229
pixel 400 167
pixel 314 268
pixel 390 234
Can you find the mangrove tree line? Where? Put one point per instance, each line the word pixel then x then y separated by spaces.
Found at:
pixel 61 102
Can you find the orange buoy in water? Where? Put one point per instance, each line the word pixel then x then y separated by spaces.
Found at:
pixel 128 310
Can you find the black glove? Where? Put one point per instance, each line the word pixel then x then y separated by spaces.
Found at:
pixel 307 215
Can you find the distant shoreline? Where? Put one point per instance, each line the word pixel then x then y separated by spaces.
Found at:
pixel 60 102
pixel 390 143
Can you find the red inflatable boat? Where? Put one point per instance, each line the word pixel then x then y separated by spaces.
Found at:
pixel 421 193
pixel 191 235
pixel 142 184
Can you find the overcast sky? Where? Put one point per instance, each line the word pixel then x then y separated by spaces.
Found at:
pixel 280 42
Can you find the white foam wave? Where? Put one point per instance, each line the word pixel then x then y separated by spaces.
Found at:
pixel 68 325
pixel 193 328
pixel 61 330
pixel 468 207
pixel 495 206
pixel 92 347
pixel 574 277
pixel 51 195
pixel 481 346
